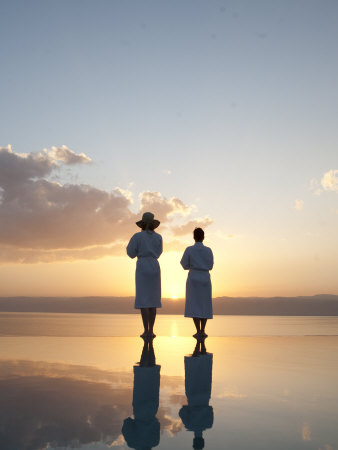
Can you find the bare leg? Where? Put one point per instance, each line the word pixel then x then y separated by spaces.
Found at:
pixel 152 317
pixel 144 355
pixel 197 325
pixel 145 320
pixel 203 324
pixel 197 349
pixel 203 349
pixel 151 360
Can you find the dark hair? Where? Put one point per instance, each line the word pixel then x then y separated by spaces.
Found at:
pixel 148 226
pixel 198 234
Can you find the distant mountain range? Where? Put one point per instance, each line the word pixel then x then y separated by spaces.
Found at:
pixel 316 305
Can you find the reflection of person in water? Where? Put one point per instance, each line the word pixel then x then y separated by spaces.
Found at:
pixel 143 432
pixel 197 415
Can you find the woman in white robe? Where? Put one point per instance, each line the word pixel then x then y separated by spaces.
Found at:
pixel 198 259
pixel 147 247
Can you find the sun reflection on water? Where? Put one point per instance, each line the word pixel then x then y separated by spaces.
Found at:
pixel 174 329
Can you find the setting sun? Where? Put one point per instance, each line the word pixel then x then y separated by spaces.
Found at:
pixel 168 220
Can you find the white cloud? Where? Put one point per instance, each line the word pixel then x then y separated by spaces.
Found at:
pixel 329 180
pixel 119 441
pixel 125 192
pixel 43 220
pixel 162 207
pixel 299 204
pixel 67 156
pixel 171 425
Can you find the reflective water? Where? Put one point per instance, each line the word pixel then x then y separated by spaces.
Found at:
pixel 273 392
pixel 58 324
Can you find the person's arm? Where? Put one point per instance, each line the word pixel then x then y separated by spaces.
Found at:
pixel 211 260
pixel 185 261
pixel 132 247
pixel 160 249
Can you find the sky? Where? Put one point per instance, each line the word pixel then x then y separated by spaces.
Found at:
pixel 221 114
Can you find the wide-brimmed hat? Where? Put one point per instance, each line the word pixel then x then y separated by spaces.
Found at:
pixel 148 219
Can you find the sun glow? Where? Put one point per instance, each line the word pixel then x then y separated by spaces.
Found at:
pixel 174 329
pixel 173 276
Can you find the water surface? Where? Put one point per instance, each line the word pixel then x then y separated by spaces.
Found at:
pixel 67 391
pixel 61 324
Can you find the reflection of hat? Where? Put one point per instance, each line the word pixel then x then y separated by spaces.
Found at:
pixel 148 219
pixel 140 434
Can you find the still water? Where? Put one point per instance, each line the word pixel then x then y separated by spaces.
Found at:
pixel 73 387
pixel 58 324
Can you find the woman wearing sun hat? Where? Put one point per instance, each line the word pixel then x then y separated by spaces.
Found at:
pixel 147 246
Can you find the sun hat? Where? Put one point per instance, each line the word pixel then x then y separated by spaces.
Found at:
pixel 148 219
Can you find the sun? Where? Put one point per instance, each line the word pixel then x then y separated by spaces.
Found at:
pixel 174 297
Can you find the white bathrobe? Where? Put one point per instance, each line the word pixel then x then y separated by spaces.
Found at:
pixel 144 430
pixel 147 246
pixel 198 259
pixel 197 416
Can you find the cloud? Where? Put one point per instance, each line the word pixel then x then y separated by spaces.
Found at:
pixel 45 221
pixel 118 442
pixel 328 182
pixel 172 426
pixel 45 215
pixel 299 204
pixel 67 156
pixel 61 409
pixel 56 404
pixel 11 254
pixel 188 227
pixel 306 432
pixel 162 208
pixel 18 168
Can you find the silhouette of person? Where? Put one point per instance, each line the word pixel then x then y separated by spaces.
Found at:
pixel 147 246
pixel 198 259
pixel 198 415
pixel 143 432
